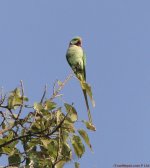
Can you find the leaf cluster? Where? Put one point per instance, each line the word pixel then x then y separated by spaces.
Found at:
pixel 40 135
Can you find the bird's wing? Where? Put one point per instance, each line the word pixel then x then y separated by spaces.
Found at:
pixel 84 64
pixel 67 57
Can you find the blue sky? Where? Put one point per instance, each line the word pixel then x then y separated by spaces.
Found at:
pixel 34 37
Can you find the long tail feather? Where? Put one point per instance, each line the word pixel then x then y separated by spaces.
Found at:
pixel 87 105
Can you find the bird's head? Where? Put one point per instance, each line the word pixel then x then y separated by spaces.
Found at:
pixel 76 41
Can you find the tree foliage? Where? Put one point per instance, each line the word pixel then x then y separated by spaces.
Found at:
pixel 43 134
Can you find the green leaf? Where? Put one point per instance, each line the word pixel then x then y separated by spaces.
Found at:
pixel 89 125
pixel 72 114
pixel 65 134
pixel 2 141
pixel 60 164
pixel 66 152
pixel 78 146
pixel 10 149
pixel 45 142
pixel 52 148
pixel 36 126
pixel 15 99
pixel 38 106
pixel 7 150
pixel 14 102
pixel 84 135
pixel 14 160
pixel 87 87
pixel 25 98
pixel 9 136
pixel 13 144
pixel 77 165
pixel 49 105
pixel 16 92
pixel 69 126
pixel 32 144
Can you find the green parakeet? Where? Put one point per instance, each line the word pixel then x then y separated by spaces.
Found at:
pixel 77 60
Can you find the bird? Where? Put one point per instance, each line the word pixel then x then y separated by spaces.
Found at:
pixel 76 58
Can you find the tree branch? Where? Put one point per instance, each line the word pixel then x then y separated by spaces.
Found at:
pixel 61 86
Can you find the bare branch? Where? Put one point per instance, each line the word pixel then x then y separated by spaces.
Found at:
pixel 55 94
pixel 45 90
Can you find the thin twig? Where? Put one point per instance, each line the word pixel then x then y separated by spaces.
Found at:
pixel 21 106
pixel 3 116
pixel 45 90
pixel 3 97
pixel 61 86
pixel 11 113
pixel 54 86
